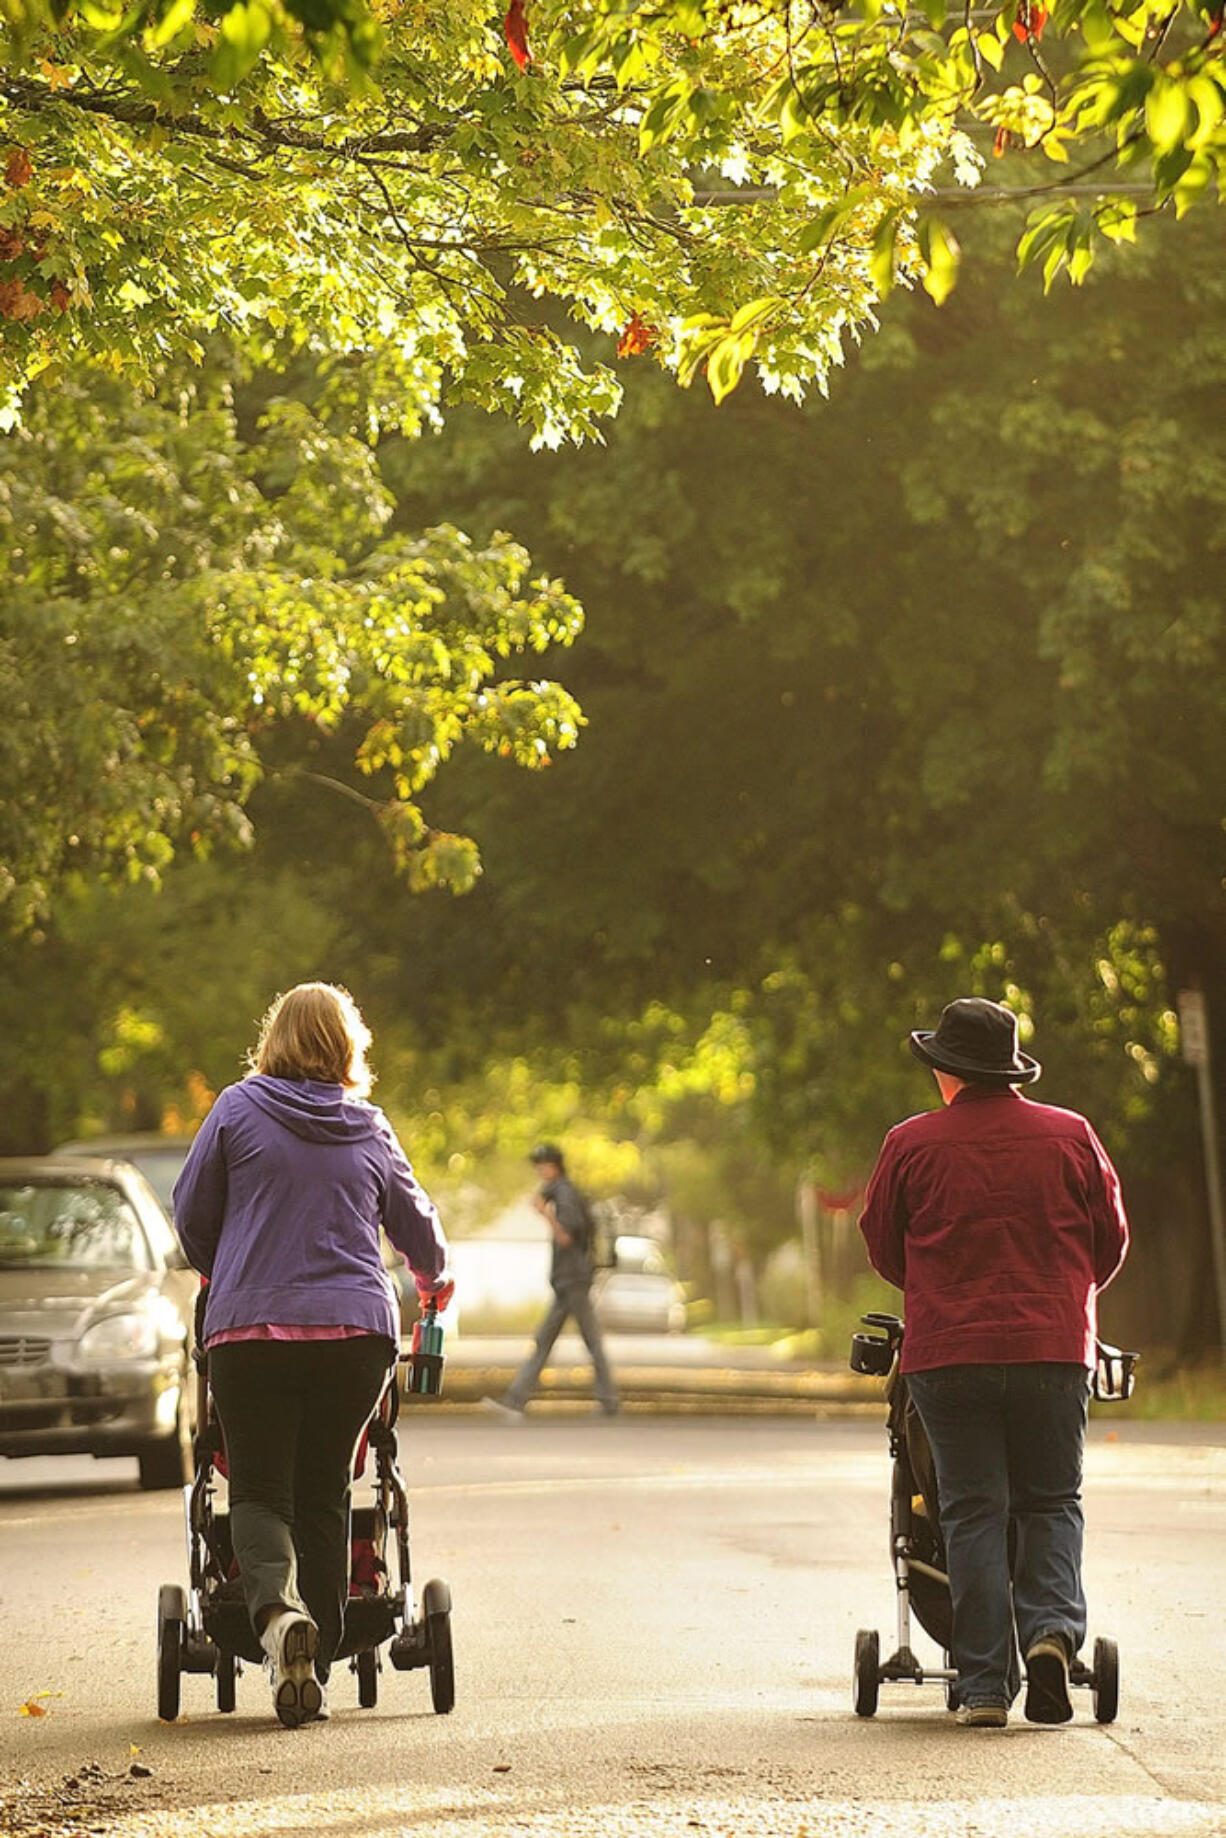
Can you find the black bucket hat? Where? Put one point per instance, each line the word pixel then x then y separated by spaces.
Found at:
pixel 976 1040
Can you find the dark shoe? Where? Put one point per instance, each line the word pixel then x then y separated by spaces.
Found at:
pixel 1047 1664
pixel 982 1716
pixel 607 1410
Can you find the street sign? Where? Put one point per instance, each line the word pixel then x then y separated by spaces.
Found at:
pixel 1193 1028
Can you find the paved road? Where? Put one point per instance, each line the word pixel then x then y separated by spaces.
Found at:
pixel 654 1629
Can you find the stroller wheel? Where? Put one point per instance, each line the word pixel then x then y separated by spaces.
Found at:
pixel 367 1666
pixel 865 1679
pixel 172 1625
pixel 226 1674
pixel 1106 1681
pixel 951 1685
pixel 436 1602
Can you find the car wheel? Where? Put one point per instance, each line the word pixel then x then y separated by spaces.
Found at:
pixel 167 1461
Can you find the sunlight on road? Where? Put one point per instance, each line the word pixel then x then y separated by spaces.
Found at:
pixel 387 1814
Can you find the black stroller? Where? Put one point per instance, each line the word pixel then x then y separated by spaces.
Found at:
pixel 916 1547
pixel 206 1628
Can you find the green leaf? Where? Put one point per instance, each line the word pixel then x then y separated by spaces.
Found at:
pixel 725 365
pixel 1167 115
pixel 177 15
pixel 941 255
pixel 1117 220
pixel 754 312
pixel 245 31
pixel 881 261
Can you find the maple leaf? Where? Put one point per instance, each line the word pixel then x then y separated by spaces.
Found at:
pixel 637 337
pixel 17 302
pixel 515 25
pixel 1030 21
pixel 19 168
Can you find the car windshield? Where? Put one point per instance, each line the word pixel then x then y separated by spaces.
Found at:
pixel 62 1226
pixel 160 1168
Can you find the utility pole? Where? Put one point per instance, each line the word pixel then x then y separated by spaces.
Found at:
pixel 1194 1038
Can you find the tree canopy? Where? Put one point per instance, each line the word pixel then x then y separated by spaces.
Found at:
pixel 201 588
pixel 708 181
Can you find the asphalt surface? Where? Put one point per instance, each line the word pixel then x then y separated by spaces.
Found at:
pixel 654 1627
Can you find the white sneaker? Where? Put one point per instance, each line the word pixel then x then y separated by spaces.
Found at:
pixel 506 1413
pixel 290 1640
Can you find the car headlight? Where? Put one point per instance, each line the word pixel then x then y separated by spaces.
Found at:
pixel 117 1337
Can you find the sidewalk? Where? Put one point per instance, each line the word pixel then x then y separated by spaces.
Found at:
pixel 682 1372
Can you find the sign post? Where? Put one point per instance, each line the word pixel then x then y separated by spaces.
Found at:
pixel 1194 1037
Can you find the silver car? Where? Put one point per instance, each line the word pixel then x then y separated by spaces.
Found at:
pixel 158 1157
pixel 639 1302
pixel 96 1309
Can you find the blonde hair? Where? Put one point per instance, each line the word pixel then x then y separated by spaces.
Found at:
pixel 315 1031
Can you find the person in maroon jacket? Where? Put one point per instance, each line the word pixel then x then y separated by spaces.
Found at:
pixel 1001 1220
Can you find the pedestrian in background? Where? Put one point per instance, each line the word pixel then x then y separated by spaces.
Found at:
pixel 1001 1220
pixel 572 1267
pixel 279 1204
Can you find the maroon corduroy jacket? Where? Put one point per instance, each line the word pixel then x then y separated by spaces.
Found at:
pixel 1000 1220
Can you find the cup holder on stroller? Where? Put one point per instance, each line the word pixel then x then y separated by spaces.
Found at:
pixel 1113 1374
pixel 874 1353
pixel 871 1354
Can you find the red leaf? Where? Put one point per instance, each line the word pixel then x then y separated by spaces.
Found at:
pixel 1001 144
pixel 636 338
pixel 18 170
pixel 18 303
pixel 515 25
pixel 1031 18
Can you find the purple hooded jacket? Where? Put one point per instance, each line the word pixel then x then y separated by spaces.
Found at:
pixel 279 1204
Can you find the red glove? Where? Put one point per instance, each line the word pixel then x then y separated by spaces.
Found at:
pixel 437 1293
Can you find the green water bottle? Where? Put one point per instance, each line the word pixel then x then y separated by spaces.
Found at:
pixel 427 1358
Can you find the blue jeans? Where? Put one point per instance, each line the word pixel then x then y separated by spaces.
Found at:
pixel 1007 1442
pixel 571 1301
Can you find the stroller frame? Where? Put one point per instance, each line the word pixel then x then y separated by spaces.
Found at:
pixel 206 1628
pixel 917 1550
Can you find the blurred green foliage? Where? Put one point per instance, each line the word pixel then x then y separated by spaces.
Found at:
pixel 907 695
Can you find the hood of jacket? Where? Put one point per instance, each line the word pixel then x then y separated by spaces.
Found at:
pixel 312 1110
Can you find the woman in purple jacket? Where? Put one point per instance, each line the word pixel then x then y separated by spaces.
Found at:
pixel 279 1204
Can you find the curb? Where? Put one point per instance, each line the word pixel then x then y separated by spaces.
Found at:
pixel 663 1390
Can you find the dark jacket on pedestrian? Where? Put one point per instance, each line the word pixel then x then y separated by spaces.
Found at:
pixel 571 1264
pixel 302 1176
pixel 1000 1219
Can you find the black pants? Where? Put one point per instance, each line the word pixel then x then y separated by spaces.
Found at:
pixel 292 1413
